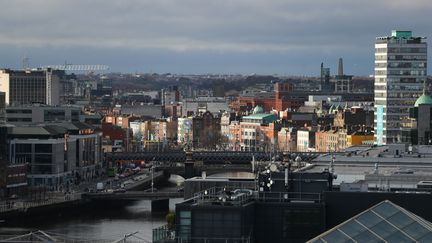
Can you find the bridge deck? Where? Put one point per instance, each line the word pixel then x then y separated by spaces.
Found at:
pixel 235 157
pixel 132 195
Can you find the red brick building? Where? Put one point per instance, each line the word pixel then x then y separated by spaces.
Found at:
pixel 279 100
pixel 112 133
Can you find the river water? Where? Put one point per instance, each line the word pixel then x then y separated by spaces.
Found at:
pixel 112 225
pixel 102 226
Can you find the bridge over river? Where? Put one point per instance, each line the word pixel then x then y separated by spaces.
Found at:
pixel 131 195
pixel 206 157
pixel 190 164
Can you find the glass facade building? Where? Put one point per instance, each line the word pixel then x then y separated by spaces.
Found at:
pixel 384 222
pixel 400 70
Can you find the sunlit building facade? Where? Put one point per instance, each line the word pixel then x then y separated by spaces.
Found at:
pixel 400 70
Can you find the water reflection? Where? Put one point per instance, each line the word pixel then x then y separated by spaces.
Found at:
pixel 111 225
pixel 101 225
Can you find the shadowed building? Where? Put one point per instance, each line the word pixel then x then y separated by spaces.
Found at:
pixel 419 130
pixel 27 87
pixel 206 130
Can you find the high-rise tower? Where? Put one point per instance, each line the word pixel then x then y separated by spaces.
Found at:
pixel 400 70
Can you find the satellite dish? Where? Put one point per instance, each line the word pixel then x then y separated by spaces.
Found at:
pixel 273 167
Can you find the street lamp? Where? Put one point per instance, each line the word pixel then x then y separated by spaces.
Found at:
pixel 152 182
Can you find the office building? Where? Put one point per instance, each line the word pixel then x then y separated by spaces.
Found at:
pixel 30 86
pixel 38 114
pixel 400 70
pixel 57 155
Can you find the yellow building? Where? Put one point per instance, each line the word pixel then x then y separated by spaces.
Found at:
pixel 358 138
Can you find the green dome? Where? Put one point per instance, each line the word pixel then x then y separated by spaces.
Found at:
pixel 258 110
pixel 423 100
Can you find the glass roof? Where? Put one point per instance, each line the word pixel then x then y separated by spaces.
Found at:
pixel 384 222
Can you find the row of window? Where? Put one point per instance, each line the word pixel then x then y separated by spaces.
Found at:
pixel 401 65
pixel 401 72
pixel 401 50
pixel 394 87
pixel 27 148
pixel 407 50
pixel 19 119
pixel 398 80
pixel 401 57
pixel 18 111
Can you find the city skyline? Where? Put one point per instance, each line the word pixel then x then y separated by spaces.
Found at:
pixel 272 37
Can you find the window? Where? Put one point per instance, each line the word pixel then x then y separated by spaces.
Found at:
pixel 23 148
pixel 43 148
pixel 184 231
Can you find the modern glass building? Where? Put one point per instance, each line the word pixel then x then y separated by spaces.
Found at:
pixel 400 70
pixel 384 222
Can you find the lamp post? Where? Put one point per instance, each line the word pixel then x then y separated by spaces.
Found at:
pixel 152 176
pixel 152 183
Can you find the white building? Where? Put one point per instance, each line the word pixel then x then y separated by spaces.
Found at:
pixel 225 122
pixel 400 70
pixel 305 141
pixel 184 130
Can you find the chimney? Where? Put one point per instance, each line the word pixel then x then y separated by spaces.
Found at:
pixel 340 70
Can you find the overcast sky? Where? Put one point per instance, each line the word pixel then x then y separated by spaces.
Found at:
pixel 205 36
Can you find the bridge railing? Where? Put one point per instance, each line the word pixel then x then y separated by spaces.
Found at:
pixel 163 233
pixel 224 195
pixel 24 205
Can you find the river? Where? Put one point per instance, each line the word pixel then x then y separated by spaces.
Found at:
pixel 102 226
pixel 108 226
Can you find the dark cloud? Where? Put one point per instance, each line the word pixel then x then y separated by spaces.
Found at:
pixel 274 36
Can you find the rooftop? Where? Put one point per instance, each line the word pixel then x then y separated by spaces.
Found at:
pixel 259 116
pixel 401 34
pixel 384 222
